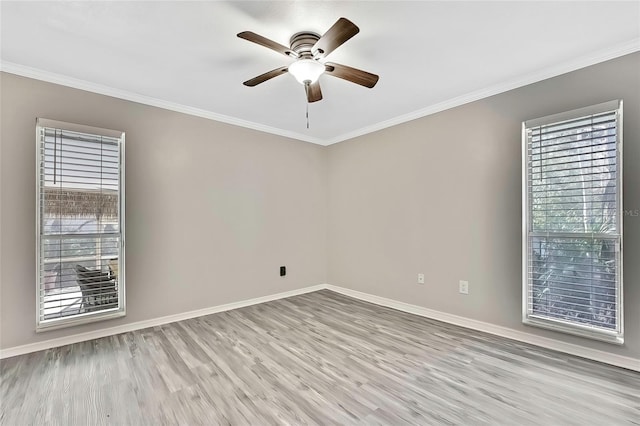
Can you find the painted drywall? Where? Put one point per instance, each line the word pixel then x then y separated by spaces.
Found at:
pixel 442 196
pixel 212 210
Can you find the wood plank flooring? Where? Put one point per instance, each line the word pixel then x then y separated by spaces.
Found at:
pixel 318 358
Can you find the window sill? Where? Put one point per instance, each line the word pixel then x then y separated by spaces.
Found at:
pixel 612 337
pixel 80 319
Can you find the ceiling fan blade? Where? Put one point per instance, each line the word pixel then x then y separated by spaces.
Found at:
pixel 353 75
pixel 263 41
pixel 314 94
pixel 266 76
pixel 340 32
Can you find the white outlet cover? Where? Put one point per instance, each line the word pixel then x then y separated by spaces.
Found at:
pixel 464 287
pixel 420 278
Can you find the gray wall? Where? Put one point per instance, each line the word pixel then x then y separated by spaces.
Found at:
pixel 442 195
pixel 213 210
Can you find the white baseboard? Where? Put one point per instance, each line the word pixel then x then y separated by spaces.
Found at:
pixel 544 342
pixel 96 334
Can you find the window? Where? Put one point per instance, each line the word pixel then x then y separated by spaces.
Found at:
pixel 572 222
pixel 80 220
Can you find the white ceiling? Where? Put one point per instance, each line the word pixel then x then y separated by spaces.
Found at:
pixel 429 55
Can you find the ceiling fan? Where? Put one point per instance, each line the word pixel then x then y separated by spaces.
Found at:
pixel 309 51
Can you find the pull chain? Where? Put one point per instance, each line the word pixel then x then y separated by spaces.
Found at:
pixel 306 91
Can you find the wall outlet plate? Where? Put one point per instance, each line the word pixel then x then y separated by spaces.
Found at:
pixel 464 287
pixel 420 278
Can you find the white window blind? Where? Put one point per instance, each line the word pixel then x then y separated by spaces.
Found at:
pixel 572 222
pixel 80 224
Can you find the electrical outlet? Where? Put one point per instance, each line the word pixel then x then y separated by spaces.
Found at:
pixel 464 287
pixel 420 278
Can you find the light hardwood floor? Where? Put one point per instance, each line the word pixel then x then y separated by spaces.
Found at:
pixel 318 358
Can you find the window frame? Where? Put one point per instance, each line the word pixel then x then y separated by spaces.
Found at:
pixel 86 317
pixel 613 336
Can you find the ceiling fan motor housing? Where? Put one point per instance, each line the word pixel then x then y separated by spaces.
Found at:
pixel 302 42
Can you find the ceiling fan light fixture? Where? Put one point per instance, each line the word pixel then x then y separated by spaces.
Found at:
pixel 310 49
pixel 306 70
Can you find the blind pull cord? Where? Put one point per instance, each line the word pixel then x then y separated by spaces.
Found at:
pixel 55 155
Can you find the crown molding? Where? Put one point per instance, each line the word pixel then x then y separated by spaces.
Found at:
pixel 50 77
pixel 626 48
pixel 622 49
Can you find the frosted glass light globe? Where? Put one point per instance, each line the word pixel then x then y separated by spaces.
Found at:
pixel 306 70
